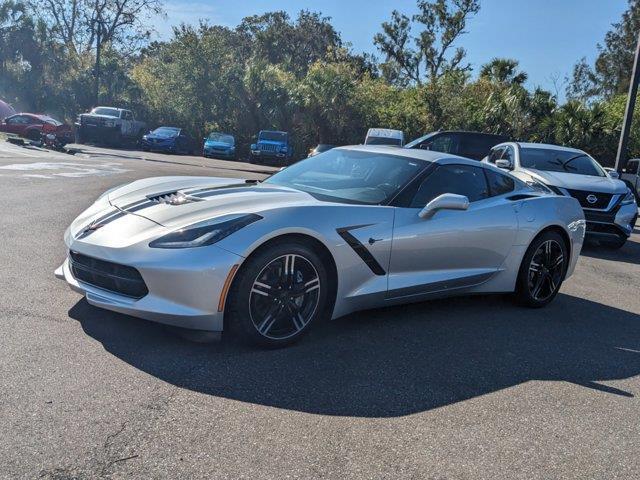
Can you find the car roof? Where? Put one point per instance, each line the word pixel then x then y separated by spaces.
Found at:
pixel 544 146
pixel 416 154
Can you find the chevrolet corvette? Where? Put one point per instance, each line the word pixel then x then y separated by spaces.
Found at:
pixel 350 229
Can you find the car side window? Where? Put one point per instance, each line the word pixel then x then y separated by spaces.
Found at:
pixel 508 154
pixel 496 154
pixel 460 179
pixel 476 146
pixel 499 183
pixel 445 143
pixel 18 120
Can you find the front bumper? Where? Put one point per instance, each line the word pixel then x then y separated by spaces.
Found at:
pixel 184 286
pixel 268 154
pixel 613 224
pixel 210 152
pixel 158 147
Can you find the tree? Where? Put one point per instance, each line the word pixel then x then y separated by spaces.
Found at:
pixel 442 23
pixel 275 39
pixel 75 23
pixel 503 70
pixel 611 72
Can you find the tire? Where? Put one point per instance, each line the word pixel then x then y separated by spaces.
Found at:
pixel 271 308
pixel 542 270
pixel 34 135
pixel 614 244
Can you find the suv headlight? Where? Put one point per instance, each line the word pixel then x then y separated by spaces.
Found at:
pixel 629 198
pixel 204 233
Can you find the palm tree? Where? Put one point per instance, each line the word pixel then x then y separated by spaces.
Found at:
pixel 503 70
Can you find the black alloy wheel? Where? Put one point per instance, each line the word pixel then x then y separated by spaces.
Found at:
pixel 543 269
pixel 277 294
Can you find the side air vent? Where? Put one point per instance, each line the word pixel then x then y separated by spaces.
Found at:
pixel 173 198
pixel 520 196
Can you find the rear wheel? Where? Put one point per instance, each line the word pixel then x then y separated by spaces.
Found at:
pixel 542 270
pixel 278 294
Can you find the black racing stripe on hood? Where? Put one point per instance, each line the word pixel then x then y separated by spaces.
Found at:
pixel 218 191
pixel 100 222
pixel 198 191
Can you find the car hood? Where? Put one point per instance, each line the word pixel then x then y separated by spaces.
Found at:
pixel 95 115
pixel 153 136
pixel 176 202
pixel 574 181
pixel 271 142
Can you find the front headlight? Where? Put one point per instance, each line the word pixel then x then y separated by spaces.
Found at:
pixel 204 233
pixel 629 198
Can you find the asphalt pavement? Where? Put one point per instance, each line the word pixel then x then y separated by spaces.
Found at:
pixel 466 388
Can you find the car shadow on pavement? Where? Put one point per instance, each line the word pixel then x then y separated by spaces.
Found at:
pixel 629 253
pixel 394 361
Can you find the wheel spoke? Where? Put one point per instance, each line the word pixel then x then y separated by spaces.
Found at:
pixel 558 261
pixel 538 286
pixel 262 289
pixel 312 285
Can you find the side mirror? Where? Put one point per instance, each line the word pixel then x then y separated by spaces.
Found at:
pixel 446 201
pixel 506 164
pixel 612 172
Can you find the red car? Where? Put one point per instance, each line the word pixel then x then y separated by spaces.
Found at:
pixel 32 126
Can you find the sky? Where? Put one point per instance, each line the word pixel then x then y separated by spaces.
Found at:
pixel 547 36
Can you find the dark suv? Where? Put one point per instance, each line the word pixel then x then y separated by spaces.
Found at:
pixel 473 145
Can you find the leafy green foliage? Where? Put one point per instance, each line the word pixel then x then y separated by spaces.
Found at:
pixel 273 71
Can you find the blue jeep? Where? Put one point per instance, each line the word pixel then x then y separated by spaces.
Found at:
pixel 272 145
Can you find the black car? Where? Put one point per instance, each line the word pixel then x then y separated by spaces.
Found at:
pixel 473 145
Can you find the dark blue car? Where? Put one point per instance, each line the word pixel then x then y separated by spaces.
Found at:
pixel 169 140
pixel 219 145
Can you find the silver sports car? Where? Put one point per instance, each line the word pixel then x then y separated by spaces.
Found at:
pixel 350 229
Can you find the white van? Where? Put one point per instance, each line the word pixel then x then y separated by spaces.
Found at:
pixel 384 136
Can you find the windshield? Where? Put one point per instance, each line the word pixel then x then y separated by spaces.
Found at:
pixel 51 121
pixel 418 141
pixel 350 176
pixel 560 161
pixel 222 138
pixel 273 136
pixel 109 112
pixel 166 132
pixel 383 141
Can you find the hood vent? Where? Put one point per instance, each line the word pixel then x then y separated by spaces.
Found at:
pixel 173 198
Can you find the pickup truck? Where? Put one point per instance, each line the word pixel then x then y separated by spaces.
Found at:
pixel 272 145
pixel 113 126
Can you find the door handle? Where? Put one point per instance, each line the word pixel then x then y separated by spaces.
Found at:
pixel 374 240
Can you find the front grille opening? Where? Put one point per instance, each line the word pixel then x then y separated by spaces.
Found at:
pixel 601 202
pixel 113 277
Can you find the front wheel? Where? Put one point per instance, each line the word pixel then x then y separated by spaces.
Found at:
pixel 278 294
pixel 542 270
